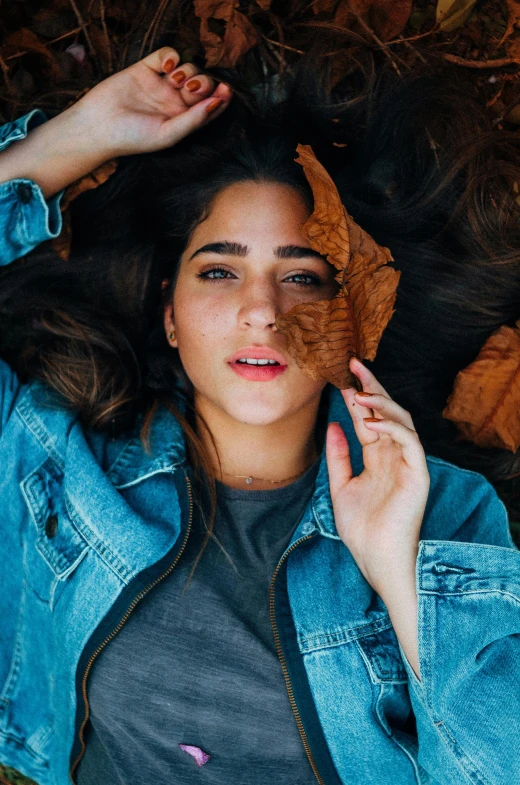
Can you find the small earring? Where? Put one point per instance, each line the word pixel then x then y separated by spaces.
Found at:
pixel 171 336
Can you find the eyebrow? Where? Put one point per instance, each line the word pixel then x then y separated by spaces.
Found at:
pixel 236 249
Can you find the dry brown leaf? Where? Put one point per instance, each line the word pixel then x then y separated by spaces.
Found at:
pixel 239 38
pixel 513 9
pixel 387 18
pixel 24 40
pixel 239 35
pixel 62 243
pixel 485 401
pixel 513 48
pixel 89 181
pixel 322 336
pixel 323 6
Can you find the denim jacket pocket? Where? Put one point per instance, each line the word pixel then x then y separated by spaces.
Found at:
pixel 379 649
pixel 54 546
pixel 392 707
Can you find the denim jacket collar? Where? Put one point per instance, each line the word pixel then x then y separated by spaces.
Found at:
pixel 167 451
pixel 131 463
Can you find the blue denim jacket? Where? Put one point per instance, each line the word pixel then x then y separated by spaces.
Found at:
pixel 90 524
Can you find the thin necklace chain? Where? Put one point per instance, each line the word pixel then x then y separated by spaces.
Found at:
pixel 249 479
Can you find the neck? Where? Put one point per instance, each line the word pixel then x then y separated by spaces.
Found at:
pixel 277 452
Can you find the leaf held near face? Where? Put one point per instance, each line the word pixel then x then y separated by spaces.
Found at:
pixel 322 336
pixel 485 401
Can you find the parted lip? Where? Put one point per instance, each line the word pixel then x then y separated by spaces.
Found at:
pixel 257 353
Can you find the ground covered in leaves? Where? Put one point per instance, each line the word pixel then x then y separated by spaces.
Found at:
pixel 51 52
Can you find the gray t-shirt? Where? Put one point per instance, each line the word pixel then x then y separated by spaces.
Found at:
pixel 200 668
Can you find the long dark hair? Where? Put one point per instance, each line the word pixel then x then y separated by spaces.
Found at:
pixel 417 164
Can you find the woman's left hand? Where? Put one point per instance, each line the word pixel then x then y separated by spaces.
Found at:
pixel 379 513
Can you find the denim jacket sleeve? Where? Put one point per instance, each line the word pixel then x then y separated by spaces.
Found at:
pixel 26 218
pixel 467 704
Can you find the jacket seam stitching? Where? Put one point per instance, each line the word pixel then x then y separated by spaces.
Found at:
pixel 432 592
pixel 44 444
pixel 367 628
pixel 464 768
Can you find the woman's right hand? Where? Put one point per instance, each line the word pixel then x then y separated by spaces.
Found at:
pixel 143 108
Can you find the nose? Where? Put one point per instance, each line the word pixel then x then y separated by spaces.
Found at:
pixel 258 306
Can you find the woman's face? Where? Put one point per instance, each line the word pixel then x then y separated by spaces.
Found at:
pixel 247 262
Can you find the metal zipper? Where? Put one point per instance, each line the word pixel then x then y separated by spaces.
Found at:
pixel 121 623
pixel 283 662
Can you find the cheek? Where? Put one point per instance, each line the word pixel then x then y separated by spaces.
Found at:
pixel 305 386
pixel 201 325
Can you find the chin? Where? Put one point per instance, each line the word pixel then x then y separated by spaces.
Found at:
pixel 255 414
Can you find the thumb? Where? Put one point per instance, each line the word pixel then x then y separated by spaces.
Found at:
pixel 338 458
pixel 196 116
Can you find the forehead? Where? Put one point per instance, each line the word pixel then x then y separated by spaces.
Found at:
pixel 253 213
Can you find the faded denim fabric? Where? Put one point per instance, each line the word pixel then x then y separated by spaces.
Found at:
pixel 89 523
pixel 26 219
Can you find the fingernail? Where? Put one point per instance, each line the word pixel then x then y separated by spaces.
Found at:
pixel 372 419
pixel 169 66
pixel 179 77
pixel 193 85
pixel 364 394
pixel 214 105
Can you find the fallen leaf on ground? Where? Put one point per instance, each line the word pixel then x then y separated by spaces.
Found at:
pixel 387 18
pixel 513 9
pixel 322 336
pixel 239 34
pixel 452 14
pixel 485 401
pixel 24 40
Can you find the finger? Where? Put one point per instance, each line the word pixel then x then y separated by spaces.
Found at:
pixel 160 58
pixel 366 377
pixel 194 117
pixel 224 93
pixel 385 407
pixel 408 440
pixel 371 385
pixel 180 75
pixel 196 89
pixel 358 413
pixel 338 458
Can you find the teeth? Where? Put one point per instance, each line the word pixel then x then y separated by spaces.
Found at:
pixel 248 361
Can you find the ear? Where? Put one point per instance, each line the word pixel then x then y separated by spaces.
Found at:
pixel 169 325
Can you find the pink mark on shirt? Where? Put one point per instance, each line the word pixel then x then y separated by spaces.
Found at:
pixel 199 755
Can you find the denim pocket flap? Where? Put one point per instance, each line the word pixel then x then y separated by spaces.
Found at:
pixel 380 652
pixel 57 539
